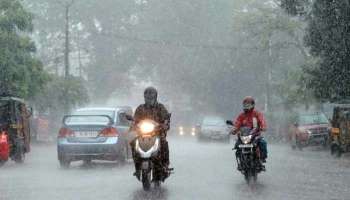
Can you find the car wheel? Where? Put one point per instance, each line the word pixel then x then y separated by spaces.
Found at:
pixel 64 163
pixel 2 162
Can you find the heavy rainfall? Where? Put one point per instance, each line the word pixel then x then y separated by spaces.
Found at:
pixel 174 100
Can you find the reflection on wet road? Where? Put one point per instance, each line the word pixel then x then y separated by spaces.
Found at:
pixel 202 171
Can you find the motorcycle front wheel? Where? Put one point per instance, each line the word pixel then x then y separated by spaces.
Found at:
pixel 146 180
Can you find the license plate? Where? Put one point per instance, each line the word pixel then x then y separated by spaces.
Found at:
pixel 245 146
pixel 86 134
pixel 145 165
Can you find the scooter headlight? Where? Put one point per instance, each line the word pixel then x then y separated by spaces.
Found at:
pixel 147 127
pixel 246 139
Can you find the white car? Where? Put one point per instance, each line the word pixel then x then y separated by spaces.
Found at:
pixel 213 127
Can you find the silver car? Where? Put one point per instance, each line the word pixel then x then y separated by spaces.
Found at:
pixel 213 127
pixel 94 134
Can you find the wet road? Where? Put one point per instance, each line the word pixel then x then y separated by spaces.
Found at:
pixel 202 171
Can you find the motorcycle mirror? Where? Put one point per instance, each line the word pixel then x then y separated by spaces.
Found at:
pixel 229 122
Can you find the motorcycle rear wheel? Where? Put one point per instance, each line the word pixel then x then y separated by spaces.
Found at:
pixel 2 162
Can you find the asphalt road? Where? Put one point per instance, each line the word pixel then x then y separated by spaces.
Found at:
pixel 202 171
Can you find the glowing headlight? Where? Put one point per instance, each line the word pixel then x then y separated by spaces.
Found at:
pixel 147 127
pixel 193 132
pixel 308 132
pixel 181 130
pixel 246 139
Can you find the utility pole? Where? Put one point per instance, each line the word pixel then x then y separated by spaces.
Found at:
pixel 67 7
pixel 79 56
pixel 268 77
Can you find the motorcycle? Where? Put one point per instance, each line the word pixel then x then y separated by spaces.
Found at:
pixel 248 154
pixel 147 148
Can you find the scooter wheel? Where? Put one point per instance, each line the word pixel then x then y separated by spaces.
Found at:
pixel 146 181
pixel 2 162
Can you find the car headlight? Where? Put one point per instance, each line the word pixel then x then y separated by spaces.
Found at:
pixel 147 127
pixel 309 132
pixel 246 139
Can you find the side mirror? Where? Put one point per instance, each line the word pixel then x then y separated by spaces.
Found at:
pixel 229 122
pixel 129 117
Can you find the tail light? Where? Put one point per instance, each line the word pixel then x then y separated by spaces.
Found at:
pixel 65 132
pixel 4 147
pixel 3 137
pixel 109 132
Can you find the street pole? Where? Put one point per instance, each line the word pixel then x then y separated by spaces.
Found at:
pixel 66 50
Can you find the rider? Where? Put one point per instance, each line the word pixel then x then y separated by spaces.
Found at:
pixel 156 111
pixel 256 121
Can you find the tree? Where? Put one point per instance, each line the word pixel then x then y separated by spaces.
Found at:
pixel 21 73
pixel 328 36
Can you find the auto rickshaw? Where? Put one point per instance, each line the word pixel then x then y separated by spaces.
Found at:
pixel 340 133
pixel 14 129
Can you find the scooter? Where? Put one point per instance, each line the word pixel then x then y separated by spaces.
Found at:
pixel 147 147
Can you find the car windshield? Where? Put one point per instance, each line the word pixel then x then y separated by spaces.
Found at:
pixel 313 119
pixel 214 121
pixel 90 116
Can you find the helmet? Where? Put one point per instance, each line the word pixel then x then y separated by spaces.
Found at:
pixel 150 96
pixel 248 103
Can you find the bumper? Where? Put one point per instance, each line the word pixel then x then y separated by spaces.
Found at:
pixel 318 138
pixel 214 134
pixel 111 149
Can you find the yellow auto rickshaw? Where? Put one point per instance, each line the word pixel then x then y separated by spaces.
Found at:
pixel 340 133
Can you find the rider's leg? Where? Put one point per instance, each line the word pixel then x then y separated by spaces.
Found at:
pixel 165 152
pixel 263 148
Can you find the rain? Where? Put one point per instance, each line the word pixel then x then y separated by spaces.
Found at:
pixel 74 92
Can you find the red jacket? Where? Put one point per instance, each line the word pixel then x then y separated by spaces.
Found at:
pixel 253 119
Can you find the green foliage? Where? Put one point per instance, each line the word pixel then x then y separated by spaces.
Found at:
pixel 21 74
pixel 328 36
pixel 61 95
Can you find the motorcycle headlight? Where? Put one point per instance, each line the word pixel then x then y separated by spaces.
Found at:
pixel 147 127
pixel 246 139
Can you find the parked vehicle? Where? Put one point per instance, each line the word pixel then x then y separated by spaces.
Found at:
pixel 340 134
pixel 213 127
pixel 94 134
pixel 310 129
pixel 14 129
pixel 147 146
pixel 248 154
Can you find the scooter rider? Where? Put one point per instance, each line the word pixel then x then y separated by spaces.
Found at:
pixel 255 120
pixel 156 111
